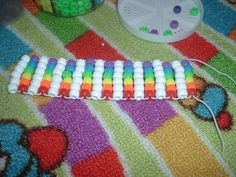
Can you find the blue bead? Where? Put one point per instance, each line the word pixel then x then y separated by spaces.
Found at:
pixel 89 67
pixel 188 68
pixel 51 66
pixel 129 69
pixel 32 64
pixel 109 69
pixel 70 68
pixel 148 69
pixel 168 70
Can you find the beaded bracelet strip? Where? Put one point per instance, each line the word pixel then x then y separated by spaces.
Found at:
pixel 99 79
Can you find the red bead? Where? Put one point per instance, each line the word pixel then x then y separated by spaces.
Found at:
pixel 171 94
pixel 128 94
pixel 64 92
pixel 43 90
pixel 84 93
pixel 23 88
pixel 107 94
pixel 192 92
pixel 149 93
pixel 224 120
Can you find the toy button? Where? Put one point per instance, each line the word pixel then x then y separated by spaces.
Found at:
pixel 194 11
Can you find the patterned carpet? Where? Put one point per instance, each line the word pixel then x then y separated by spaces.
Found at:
pixel 47 137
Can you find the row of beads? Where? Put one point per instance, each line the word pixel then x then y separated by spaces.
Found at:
pixel 103 79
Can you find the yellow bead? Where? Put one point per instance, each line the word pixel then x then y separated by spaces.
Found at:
pixel 107 81
pixel 149 81
pixel 170 82
pixel 67 80
pixel 128 81
pixel 189 79
pixel 87 80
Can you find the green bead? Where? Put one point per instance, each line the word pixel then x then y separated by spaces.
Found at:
pixel 66 74
pixel 48 72
pixel 169 76
pixel 194 11
pixel 29 70
pixel 189 74
pixel 149 75
pixel 27 75
pixel 144 29
pixel 128 75
pixel 88 5
pixel 88 74
pixel 167 33
pixel 107 75
pixel 82 10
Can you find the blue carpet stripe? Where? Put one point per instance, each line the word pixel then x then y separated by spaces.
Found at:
pixel 219 16
pixel 11 47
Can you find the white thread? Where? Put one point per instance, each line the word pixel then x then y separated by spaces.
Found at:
pixel 224 74
pixel 216 124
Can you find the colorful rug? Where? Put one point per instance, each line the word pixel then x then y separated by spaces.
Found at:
pixel 56 137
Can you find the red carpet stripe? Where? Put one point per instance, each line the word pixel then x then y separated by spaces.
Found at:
pixel 90 45
pixel 30 6
pixel 196 47
pixel 105 164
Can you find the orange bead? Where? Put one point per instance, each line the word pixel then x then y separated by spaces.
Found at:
pixel 65 85
pixel 129 87
pixel 85 90
pixel 86 86
pixel 149 87
pixel 25 82
pixel 45 83
pixel 107 87
pixel 191 85
pixel 171 88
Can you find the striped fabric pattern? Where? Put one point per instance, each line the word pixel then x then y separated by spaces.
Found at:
pixel 120 138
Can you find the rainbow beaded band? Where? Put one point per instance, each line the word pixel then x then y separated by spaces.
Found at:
pixel 99 79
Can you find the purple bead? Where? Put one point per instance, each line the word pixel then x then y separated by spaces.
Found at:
pixel 177 9
pixel 53 60
pixel 166 64
pixel 128 63
pixel 109 64
pixel 174 24
pixel 185 62
pixel 71 62
pixel 90 61
pixel 35 58
pixel 154 31
pixel 147 64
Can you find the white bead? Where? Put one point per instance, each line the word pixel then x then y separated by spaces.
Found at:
pixel 160 87
pixel 55 85
pixel 35 82
pixel 179 76
pixel 138 70
pixel 74 93
pixel 138 64
pixel 118 88
pixel 138 81
pixel 182 93
pixel 159 74
pixel 156 63
pixel 96 94
pixel 15 80
pixel 99 69
pixel 19 68
pixel 160 80
pixel 61 61
pixel 77 74
pixel 79 69
pixel 138 76
pixel 179 69
pixel 175 64
pixel 119 69
pixel 138 95
pixel 75 86
pixel 25 58
pixel 22 63
pixel 16 74
pixel 117 95
pixel 181 86
pixel 97 74
pixel 180 81
pixel 12 88
pixel 57 78
pixel 158 68
pixel 41 65
pixel 160 94
pixel 118 63
pixel 139 88
pixel 53 91
pixel 60 66
pixel 97 81
pixel 117 75
pixel 80 63
pixel 37 77
pixel 97 87
pixel 43 60
pixel 57 71
pixel 99 63
pixel 118 81
pixel 39 71
pixel 33 89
